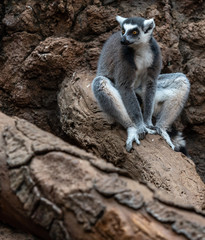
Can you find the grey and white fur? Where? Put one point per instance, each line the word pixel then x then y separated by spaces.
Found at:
pixel 129 68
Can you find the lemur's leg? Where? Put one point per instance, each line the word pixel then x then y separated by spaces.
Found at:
pixel 111 103
pixel 171 95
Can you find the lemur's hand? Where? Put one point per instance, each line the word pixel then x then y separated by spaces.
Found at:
pixel 162 132
pixel 151 130
pixel 142 130
pixel 135 134
pixel 147 128
pixel 132 136
pixel 150 125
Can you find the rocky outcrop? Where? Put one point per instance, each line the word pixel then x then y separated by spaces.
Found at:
pixel 53 46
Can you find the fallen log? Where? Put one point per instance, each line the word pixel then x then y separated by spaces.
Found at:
pixel 151 162
pixel 9 233
pixel 58 191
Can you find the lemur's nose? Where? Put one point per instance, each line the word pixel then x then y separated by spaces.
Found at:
pixel 124 41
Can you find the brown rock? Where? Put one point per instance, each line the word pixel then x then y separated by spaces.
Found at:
pixel 34 60
pixel 41 43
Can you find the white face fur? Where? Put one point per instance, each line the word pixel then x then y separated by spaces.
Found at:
pixel 135 33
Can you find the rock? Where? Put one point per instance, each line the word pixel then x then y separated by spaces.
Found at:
pixel 42 43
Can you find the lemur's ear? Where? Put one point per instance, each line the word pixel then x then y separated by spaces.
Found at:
pixel 149 25
pixel 120 19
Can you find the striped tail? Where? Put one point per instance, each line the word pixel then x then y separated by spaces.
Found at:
pixel 178 141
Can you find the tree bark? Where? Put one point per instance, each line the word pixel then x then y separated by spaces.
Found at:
pixel 9 233
pixel 58 191
pixel 151 162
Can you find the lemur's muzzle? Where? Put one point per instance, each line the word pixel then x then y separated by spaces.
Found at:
pixel 124 41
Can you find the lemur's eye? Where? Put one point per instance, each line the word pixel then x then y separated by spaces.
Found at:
pixel 134 32
pixel 123 31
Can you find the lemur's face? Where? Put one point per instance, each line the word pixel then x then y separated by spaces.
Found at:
pixel 135 30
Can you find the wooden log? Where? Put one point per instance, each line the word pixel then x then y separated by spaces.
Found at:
pixel 9 233
pixel 151 162
pixel 57 191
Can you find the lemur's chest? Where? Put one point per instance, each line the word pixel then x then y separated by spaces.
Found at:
pixel 143 60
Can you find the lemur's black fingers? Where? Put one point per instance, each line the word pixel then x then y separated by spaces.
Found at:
pixel 131 138
pixel 151 131
pixel 130 142
pixel 128 147
pixel 162 132
pixel 142 135
pixel 151 127
pixel 158 130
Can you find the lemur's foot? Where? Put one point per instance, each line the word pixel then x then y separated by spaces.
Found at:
pixel 132 137
pixel 162 132
pixel 143 130
pixel 150 131
pixel 150 128
pixel 136 134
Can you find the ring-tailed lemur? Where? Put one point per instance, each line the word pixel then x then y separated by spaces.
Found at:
pixel 129 66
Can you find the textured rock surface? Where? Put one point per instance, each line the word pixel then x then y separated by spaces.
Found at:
pixel 62 193
pixel 43 42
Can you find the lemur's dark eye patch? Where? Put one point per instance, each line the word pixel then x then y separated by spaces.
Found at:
pixel 134 32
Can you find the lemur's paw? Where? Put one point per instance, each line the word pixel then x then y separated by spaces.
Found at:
pixel 152 127
pixel 151 131
pixel 149 125
pixel 159 130
pixel 162 132
pixel 143 130
pixel 132 137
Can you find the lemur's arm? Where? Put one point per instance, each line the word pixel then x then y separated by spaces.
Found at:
pixel 150 85
pixel 131 104
pixel 139 130
pixel 148 100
